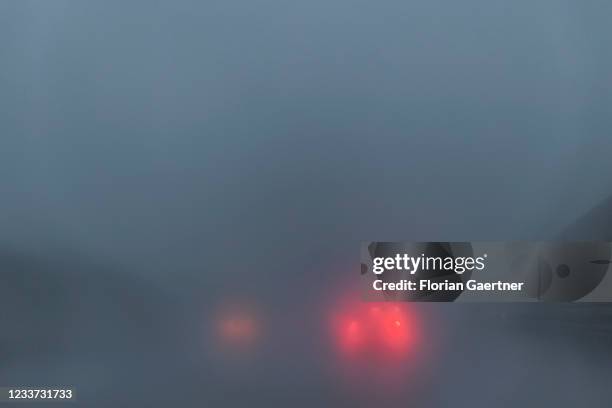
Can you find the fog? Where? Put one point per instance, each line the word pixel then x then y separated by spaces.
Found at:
pixel 168 157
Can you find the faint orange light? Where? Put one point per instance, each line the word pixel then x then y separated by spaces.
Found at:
pixel 237 329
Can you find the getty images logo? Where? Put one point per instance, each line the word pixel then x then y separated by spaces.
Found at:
pixel 411 264
pixel 388 262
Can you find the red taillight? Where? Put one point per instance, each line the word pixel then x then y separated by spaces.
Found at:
pixel 381 330
pixel 237 327
pixel 349 333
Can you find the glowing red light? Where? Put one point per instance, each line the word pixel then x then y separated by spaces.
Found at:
pixel 378 346
pixel 386 330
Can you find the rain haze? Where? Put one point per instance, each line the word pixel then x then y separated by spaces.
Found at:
pixel 165 163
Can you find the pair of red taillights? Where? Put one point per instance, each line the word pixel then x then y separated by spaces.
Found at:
pixel 375 329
